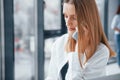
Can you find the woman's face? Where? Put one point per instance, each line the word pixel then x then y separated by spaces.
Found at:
pixel 70 17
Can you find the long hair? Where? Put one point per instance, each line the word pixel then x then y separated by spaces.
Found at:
pixel 118 10
pixel 88 17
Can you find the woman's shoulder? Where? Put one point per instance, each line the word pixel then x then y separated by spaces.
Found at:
pixel 116 17
pixel 101 52
pixel 102 49
pixel 61 39
pixel 102 46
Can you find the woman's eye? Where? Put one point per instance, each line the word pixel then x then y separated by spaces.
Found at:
pixel 74 18
pixel 65 16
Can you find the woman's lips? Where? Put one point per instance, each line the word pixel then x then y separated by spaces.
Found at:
pixel 71 29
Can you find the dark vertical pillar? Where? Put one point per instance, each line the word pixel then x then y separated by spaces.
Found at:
pixel 8 39
pixel 40 39
pixel 106 9
pixel 63 25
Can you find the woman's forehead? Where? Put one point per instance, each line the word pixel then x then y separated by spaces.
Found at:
pixel 68 9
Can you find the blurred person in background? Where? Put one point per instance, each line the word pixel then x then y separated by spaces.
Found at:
pixel 116 27
pixel 84 51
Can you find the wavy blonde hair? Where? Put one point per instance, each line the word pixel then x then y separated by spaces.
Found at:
pixel 88 17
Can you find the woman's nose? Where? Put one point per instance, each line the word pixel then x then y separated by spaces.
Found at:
pixel 68 22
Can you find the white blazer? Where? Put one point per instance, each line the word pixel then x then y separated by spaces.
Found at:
pixel 95 66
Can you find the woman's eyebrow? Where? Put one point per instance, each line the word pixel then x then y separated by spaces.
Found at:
pixel 72 15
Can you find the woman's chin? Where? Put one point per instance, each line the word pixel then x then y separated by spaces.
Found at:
pixel 71 32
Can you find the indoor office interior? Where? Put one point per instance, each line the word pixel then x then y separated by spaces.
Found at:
pixel 28 28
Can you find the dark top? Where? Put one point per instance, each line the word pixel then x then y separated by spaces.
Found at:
pixel 64 71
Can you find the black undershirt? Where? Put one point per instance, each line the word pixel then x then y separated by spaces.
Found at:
pixel 64 71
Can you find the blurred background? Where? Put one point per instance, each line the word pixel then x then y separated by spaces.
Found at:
pixel 28 28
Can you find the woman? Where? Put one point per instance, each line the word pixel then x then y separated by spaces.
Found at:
pixel 87 56
pixel 116 27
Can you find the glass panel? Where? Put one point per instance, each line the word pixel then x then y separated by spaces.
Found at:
pixel 112 10
pixel 52 18
pixel 100 4
pixel 48 43
pixel 24 26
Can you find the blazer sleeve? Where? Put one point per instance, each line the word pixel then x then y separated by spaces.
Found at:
pixel 74 71
pixel 52 70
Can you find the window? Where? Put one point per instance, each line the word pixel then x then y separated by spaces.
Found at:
pixel 24 30
pixel 52 15
pixel 100 4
